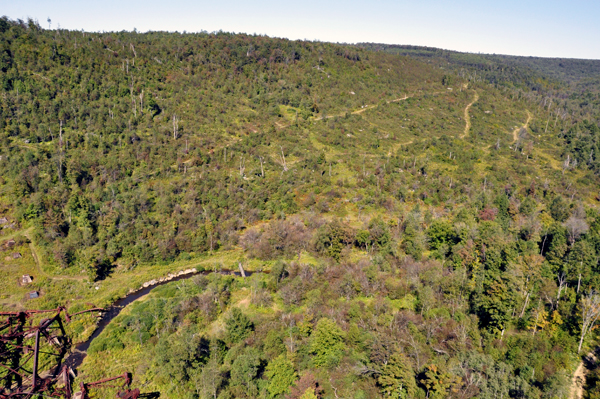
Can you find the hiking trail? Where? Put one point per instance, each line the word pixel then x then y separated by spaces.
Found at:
pixel 515 132
pixel 578 380
pixel 467 117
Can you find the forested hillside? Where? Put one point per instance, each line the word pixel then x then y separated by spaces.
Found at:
pixel 420 226
pixel 501 67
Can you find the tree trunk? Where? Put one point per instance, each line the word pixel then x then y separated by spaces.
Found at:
pixel 580 341
pixel 524 305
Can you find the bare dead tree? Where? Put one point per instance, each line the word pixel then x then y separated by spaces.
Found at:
pixel 431 327
pixel 590 312
pixel 262 170
pixel 242 166
pixel 414 345
pixel 175 126
pixel 334 388
pixel 566 163
pixel 289 321
pixel 562 284
pixel 525 305
pixel 285 168
pixel 133 102
pixel 462 334
pixel 60 142
pixel 537 317
pixel 576 226
pixel 142 103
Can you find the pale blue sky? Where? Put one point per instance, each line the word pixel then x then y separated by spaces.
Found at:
pixel 547 28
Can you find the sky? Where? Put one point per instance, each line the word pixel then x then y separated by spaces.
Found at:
pixel 549 28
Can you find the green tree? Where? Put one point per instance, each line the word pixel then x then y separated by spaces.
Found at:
pixel 379 233
pixel 440 233
pixel 397 379
pixel 326 343
pixel 496 302
pixel 558 246
pixel 238 325
pixel 309 394
pixel 331 238
pixel 528 206
pixel 439 382
pixel 355 337
pixel 281 375
pixel 559 209
pixel 244 370
pixel 207 380
pixel 153 107
pixel 413 241
pixel 502 203
pixel 362 239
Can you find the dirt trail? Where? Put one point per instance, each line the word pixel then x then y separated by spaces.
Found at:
pixel 360 111
pixel 578 380
pixel 13 235
pixel 467 117
pixel 399 99
pixel 38 259
pixel 515 132
pixel 371 106
pixel 34 253
pixel 27 233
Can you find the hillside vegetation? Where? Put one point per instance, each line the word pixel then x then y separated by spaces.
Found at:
pixel 428 220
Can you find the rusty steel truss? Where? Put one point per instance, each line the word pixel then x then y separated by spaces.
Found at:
pixel 123 393
pixel 32 350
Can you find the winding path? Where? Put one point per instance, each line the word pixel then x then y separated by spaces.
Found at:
pixel 515 132
pixel 361 110
pixel 578 380
pixel 468 117
pixel 38 259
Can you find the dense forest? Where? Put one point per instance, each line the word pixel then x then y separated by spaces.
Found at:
pixel 420 223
